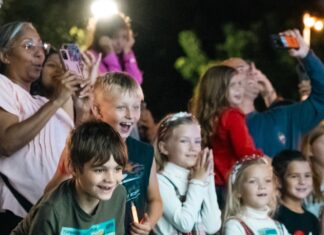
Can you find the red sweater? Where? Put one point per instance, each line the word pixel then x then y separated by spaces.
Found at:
pixel 231 141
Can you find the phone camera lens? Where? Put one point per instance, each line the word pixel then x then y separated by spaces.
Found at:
pixel 64 55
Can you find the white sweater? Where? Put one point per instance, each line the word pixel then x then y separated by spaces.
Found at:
pixel 258 221
pixel 200 208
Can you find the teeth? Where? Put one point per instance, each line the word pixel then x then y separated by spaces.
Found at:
pixel 126 123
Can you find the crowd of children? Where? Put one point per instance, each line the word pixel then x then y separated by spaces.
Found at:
pixel 204 174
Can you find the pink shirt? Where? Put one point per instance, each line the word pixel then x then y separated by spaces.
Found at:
pixel 30 168
pixel 111 63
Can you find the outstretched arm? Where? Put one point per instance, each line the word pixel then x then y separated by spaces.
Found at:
pixel 154 206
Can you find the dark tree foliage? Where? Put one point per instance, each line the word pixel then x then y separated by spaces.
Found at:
pixel 52 18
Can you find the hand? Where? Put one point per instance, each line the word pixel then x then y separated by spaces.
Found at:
pixel 304 89
pixel 66 85
pixel 91 66
pixel 130 43
pixel 204 165
pixel 106 45
pixel 303 49
pixel 142 228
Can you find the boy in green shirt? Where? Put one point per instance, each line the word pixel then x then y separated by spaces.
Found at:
pixel 93 201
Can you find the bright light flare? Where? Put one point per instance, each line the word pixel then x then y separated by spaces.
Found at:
pixel 103 8
pixel 308 20
pixel 318 26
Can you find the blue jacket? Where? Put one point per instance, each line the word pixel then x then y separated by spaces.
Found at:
pixel 282 127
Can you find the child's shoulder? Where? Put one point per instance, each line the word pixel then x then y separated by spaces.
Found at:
pixel 232 111
pixel 138 147
pixel 60 195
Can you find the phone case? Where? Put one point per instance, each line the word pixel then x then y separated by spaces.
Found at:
pixel 70 61
pixel 285 41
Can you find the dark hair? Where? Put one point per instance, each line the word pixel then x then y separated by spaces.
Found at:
pixel 8 34
pixel 37 87
pixel 282 160
pixel 96 141
pixel 108 27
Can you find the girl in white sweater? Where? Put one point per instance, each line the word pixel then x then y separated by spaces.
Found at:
pixel 185 176
pixel 251 199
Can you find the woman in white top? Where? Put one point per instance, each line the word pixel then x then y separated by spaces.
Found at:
pixel 186 179
pixel 33 129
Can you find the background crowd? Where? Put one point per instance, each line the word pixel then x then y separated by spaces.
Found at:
pixel 221 166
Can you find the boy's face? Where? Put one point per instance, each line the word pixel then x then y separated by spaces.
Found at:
pixel 119 109
pixel 298 182
pixel 96 183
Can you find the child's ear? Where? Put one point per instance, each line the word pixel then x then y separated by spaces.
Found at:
pixel 96 112
pixel 72 169
pixel 4 57
pixel 162 148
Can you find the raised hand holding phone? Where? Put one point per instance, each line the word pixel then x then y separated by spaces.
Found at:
pixel 293 41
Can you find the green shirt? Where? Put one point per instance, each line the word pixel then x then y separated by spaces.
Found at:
pixel 59 213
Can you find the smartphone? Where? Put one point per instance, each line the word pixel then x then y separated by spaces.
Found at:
pixel 71 58
pixel 284 41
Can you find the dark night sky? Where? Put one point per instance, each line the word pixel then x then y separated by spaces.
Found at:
pixel 157 24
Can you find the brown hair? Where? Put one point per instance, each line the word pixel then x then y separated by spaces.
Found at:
pixel 108 27
pixel 210 98
pixel 97 142
pixel 307 150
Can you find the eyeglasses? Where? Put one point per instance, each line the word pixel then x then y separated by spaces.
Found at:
pixel 31 47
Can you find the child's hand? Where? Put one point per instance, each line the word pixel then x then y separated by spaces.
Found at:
pixel 130 43
pixel 106 45
pixel 91 66
pixel 203 167
pixel 142 228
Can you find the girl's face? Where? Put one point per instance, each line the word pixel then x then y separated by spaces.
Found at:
pixel 318 150
pixel 257 188
pixel 298 182
pixel 52 68
pixel 183 146
pixel 235 90
pixel 120 40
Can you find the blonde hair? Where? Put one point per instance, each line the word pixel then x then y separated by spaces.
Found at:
pixel 165 131
pixel 234 205
pixel 210 98
pixel 118 82
pixel 307 150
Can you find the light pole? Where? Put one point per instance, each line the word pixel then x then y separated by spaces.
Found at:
pixel 309 23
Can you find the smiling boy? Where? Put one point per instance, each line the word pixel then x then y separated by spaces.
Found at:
pixel 93 201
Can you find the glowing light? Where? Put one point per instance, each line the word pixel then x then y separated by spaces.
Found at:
pixel 308 20
pixel 103 8
pixel 318 25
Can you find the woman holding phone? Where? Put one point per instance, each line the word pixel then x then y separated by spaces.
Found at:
pixel 33 129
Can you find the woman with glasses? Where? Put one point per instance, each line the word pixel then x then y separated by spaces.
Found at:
pixel 33 129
